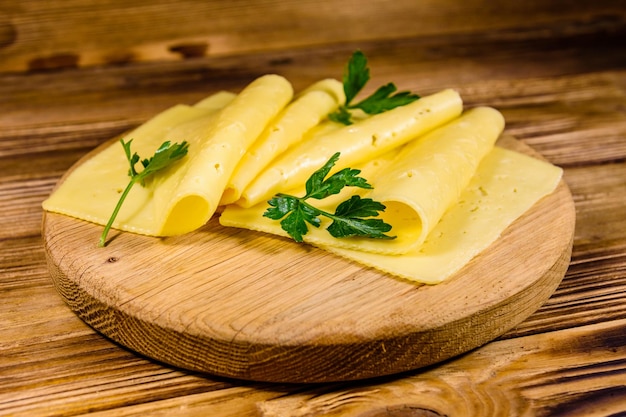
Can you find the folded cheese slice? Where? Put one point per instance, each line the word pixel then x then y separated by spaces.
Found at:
pixel 417 186
pixel 191 202
pixel 299 117
pixel 91 190
pixel 506 185
pixel 428 177
pixel 219 130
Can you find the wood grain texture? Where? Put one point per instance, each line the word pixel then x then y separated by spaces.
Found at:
pixel 487 382
pixel 38 35
pixel 558 73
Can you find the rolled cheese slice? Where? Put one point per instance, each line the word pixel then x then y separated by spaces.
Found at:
pixel 506 185
pixel 289 127
pixel 359 142
pixel 182 197
pixel 428 177
pixel 417 187
pixel 91 190
pixel 190 202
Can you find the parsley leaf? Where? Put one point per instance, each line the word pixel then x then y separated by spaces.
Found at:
pixel 382 100
pixel 348 220
pixel 352 217
pixel 319 187
pixel 164 156
pixel 298 215
pixel 356 75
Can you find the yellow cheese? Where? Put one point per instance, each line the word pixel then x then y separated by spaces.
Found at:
pixel 330 86
pixel 216 101
pixel 299 117
pixel 422 182
pixel 185 196
pixel 235 129
pixel 506 185
pixel 428 177
pixel 361 141
pixel 92 189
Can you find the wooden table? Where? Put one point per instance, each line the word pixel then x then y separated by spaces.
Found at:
pixel 74 74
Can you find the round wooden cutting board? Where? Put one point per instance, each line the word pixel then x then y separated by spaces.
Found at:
pixel 247 305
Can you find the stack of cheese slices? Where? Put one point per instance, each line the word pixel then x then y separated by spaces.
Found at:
pixel 449 191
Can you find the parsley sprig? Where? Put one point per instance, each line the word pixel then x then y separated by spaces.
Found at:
pixel 164 156
pixel 355 76
pixel 352 217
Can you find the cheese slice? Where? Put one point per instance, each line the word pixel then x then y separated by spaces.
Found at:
pixel 184 196
pixel 506 185
pixel 216 101
pixel 92 189
pixel 289 127
pixel 425 178
pixel 359 142
pixel 189 203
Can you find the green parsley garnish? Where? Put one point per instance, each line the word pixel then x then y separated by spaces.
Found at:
pixel 355 76
pixel 352 217
pixel 162 158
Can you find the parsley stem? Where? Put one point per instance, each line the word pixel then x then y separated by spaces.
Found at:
pixel 108 226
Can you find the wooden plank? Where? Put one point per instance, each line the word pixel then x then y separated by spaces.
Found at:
pixel 39 35
pixel 81 110
pixel 578 371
